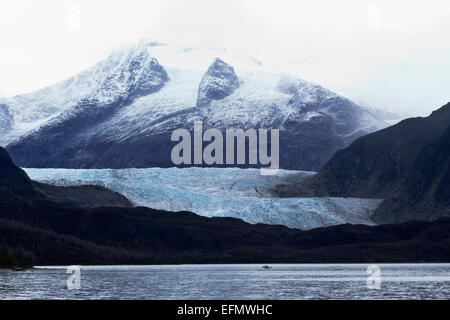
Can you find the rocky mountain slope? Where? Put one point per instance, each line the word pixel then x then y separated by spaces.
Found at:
pixel 375 165
pixel 425 193
pixel 406 164
pixel 121 112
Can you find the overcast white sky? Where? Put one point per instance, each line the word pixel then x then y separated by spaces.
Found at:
pixel 392 54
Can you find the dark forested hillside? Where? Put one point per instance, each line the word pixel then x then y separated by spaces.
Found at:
pixel 406 164
pixel 425 193
pixel 375 165
pixel 35 230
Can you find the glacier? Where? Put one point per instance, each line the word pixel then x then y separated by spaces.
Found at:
pixel 219 192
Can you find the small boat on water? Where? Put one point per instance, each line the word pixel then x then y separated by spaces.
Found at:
pixel 15 268
pixel 266 267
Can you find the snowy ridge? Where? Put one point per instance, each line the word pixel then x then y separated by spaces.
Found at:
pixel 105 82
pixel 125 75
pixel 214 192
pixel 134 74
pixel 139 95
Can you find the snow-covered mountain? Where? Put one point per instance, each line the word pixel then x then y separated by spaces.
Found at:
pixel 121 112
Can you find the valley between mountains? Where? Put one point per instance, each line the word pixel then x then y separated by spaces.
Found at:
pixel 356 184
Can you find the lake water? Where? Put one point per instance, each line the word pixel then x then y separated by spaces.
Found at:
pixel 282 281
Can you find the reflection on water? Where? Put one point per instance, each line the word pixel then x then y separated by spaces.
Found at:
pixel 307 281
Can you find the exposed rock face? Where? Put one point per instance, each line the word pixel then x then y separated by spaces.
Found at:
pixel 139 74
pixel 219 82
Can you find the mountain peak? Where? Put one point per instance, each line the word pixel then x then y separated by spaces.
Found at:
pixel 443 111
pixel 219 63
pixel 135 75
pixel 217 83
pixel 115 115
